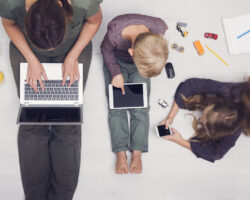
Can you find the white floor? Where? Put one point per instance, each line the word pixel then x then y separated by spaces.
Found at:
pixel 170 172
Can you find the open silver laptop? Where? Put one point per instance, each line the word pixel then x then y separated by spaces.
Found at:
pixel 57 105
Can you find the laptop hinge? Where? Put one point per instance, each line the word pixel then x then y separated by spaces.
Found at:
pixel 26 103
pixel 76 103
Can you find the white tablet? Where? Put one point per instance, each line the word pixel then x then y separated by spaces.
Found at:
pixel 135 96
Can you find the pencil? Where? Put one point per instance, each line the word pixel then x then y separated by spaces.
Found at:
pixel 216 55
pixel 243 34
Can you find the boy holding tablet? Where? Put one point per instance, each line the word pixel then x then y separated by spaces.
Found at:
pixel 133 50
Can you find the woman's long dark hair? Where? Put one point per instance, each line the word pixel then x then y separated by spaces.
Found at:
pixel 46 23
pixel 222 117
pixel 242 98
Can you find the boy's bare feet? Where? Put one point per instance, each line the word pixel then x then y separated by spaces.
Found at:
pixel 136 162
pixel 121 163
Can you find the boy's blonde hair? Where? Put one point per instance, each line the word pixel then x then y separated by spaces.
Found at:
pixel 150 54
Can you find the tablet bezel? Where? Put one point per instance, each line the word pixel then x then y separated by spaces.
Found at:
pixel 145 96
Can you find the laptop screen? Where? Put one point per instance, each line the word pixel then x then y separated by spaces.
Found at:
pixel 50 115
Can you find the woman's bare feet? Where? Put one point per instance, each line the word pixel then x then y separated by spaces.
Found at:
pixel 121 163
pixel 136 162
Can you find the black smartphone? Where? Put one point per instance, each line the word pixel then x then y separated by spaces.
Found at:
pixel 162 131
pixel 170 70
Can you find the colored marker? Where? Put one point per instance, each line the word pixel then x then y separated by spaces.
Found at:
pixel 216 55
pixel 243 34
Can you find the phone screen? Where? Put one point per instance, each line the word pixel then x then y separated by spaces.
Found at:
pixel 163 131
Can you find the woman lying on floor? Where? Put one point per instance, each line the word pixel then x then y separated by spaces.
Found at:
pixel 225 114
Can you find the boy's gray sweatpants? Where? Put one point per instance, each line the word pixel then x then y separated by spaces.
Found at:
pixel 49 156
pixel 122 137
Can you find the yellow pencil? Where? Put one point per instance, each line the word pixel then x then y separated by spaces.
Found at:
pixel 216 55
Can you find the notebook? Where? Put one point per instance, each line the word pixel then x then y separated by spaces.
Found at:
pixel 237 34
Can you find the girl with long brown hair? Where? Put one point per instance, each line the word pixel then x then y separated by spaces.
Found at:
pixel 50 31
pixel 224 114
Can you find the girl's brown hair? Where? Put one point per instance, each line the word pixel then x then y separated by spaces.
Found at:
pixel 46 23
pixel 242 98
pixel 221 117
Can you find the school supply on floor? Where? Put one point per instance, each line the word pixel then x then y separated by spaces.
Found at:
pixel 135 96
pixel 198 47
pixel 56 105
pixel 234 29
pixel 243 34
pixel 216 55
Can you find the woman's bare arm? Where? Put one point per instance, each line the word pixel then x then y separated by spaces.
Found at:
pixel 35 68
pixel 88 31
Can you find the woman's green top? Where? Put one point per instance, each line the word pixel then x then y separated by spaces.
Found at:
pixel 82 9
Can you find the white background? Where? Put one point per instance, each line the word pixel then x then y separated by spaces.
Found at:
pixel 169 171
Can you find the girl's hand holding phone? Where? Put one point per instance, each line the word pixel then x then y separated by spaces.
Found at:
pixel 175 137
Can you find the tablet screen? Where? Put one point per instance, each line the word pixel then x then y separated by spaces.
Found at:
pixel 133 96
pixel 50 114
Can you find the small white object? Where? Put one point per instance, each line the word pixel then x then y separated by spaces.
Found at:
pixel 162 103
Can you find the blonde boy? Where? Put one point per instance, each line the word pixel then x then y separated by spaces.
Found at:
pixel 133 50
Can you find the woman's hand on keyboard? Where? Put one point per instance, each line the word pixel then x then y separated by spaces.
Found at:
pixel 35 72
pixel 70 69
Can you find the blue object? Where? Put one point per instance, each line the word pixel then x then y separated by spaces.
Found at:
pixel 243 34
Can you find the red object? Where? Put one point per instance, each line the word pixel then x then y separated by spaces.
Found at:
pixel 211 35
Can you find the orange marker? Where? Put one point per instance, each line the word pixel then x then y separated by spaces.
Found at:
pixel 198 47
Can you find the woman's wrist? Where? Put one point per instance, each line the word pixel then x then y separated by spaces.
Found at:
pixel 31 58
pixel 73 56
pixel 184 143
pixel 174 110
pixel 170 117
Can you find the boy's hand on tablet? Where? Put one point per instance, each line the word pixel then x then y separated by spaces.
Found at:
pixel 118 81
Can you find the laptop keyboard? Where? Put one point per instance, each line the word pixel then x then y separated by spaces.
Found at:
pixel 53 91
